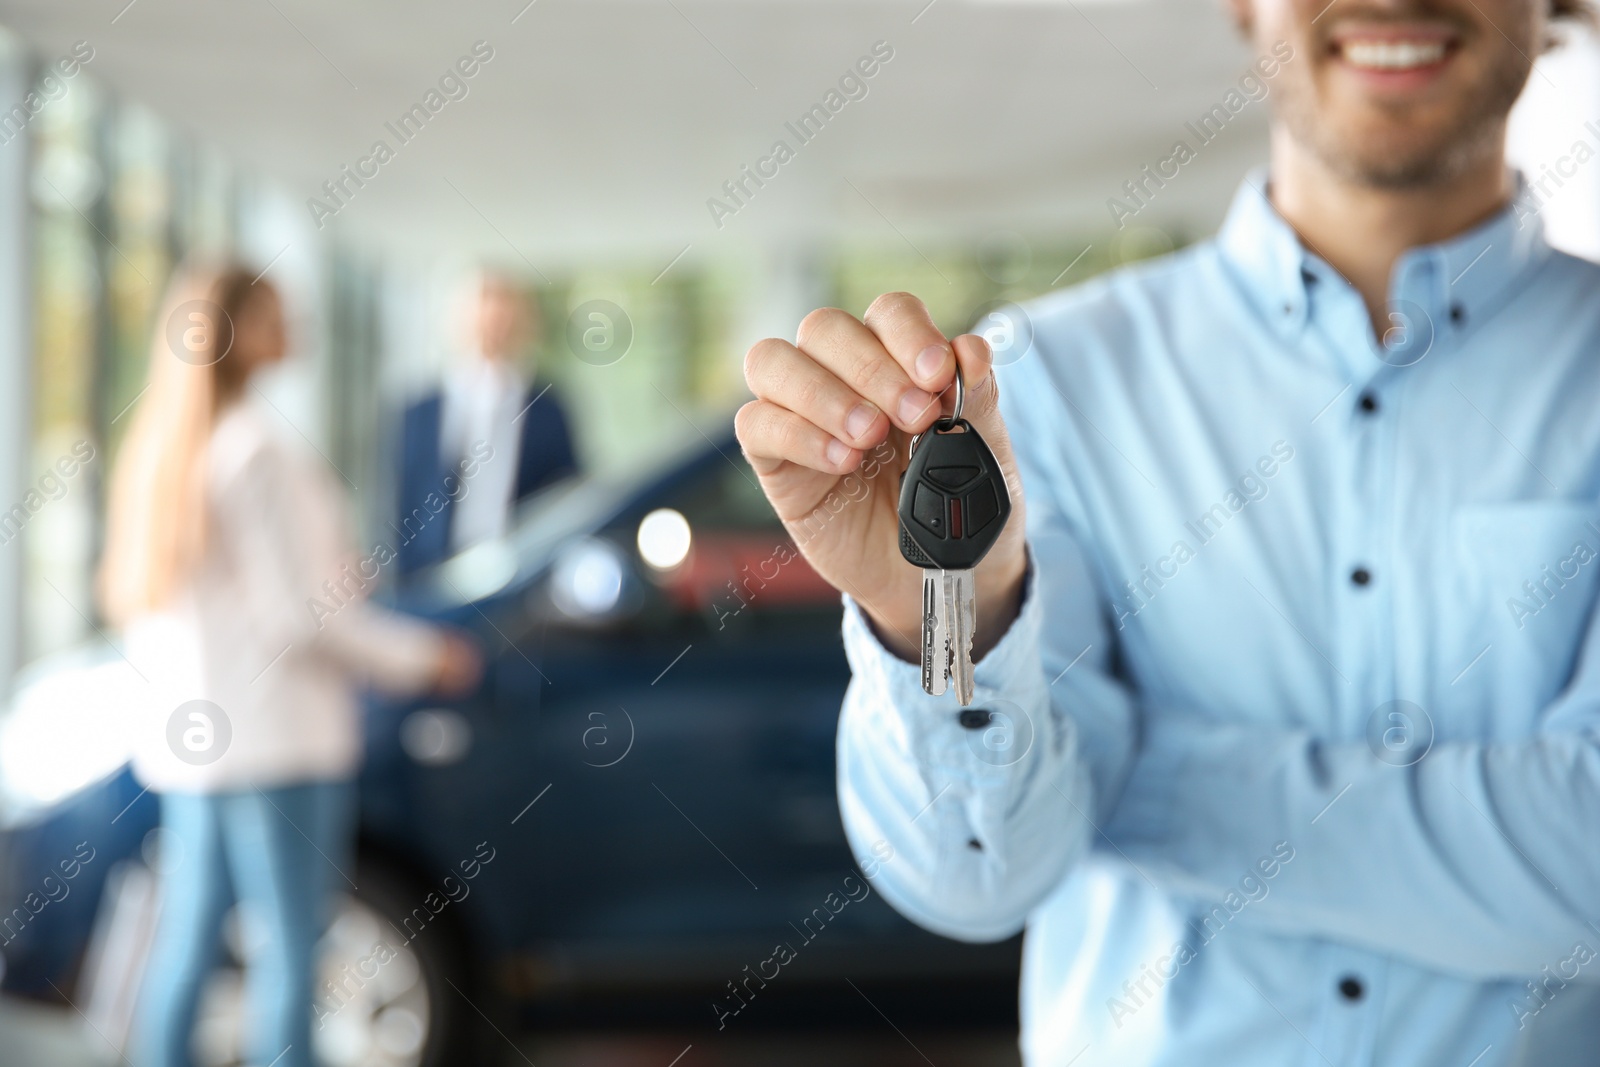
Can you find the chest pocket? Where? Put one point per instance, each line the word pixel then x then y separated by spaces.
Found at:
pixel 1531 572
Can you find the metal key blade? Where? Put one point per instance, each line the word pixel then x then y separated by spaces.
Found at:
pixel 953 505
pixel 961 606
pixel 935 633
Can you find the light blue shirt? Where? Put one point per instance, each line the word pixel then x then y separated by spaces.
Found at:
pixel 1295 748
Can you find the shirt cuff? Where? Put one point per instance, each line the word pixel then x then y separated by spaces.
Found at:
pixel 1008 683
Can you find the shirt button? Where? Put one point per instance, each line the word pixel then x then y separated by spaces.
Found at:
pixel 975 718
pixel 1350 988
pixel 1458 314
pixel 974 844
pixel 1361 576
pixel 1369 403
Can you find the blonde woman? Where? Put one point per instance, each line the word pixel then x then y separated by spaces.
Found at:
pixel 219 539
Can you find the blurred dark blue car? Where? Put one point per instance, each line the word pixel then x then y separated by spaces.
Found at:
pixel 620 826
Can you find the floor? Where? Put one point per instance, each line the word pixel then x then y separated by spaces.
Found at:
pixel 33 1035
pixel 777 1050
pixel 36 1036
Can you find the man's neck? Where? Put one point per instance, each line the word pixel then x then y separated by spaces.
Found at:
pixel 1361 230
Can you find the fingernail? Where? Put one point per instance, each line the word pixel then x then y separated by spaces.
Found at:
pixel 913 405
pixel 931 361
pixel 860 419
pixel 836 452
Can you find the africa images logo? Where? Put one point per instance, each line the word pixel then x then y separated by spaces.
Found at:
pixel 198 732
pixel 1251 88
pixel 853 84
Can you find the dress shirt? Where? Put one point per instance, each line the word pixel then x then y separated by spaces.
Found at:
pixel 1293 754
pixel 273 629
pixel 482 399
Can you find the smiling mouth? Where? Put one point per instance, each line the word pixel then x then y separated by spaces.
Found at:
pixel 1391 55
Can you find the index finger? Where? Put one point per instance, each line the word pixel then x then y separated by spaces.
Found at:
pixel 906 331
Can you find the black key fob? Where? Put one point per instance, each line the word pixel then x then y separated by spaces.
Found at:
pixel 953 498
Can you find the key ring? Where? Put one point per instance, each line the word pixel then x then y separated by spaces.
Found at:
pixel 955 416
pixel 961 401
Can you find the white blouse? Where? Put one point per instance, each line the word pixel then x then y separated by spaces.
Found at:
pixel 273 631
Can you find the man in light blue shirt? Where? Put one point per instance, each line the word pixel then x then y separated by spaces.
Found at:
pixel 1286 746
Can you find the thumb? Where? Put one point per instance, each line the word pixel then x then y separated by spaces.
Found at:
pixel 981 407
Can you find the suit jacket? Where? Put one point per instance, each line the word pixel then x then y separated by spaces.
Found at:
pixel 544 453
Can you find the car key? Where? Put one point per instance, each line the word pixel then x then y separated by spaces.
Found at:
pixel 953 505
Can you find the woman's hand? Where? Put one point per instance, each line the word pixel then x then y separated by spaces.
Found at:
pixel 459 668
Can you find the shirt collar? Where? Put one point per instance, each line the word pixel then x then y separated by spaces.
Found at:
pixel 1266 252
pixel 1469 277
pixel 1455 283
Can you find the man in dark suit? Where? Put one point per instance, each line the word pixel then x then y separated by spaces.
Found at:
pixel 481 442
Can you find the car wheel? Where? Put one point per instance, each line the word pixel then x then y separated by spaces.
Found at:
pixel 381 1000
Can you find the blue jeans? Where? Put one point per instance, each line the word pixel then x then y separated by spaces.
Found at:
pixel 279 848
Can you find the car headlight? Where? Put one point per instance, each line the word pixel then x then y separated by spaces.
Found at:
pixel 587 581
pixel 665 538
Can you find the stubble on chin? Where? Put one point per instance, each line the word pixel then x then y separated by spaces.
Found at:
pixel 1416 167
pixel 1407 163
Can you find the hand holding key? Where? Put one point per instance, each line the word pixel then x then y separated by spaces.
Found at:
pixel 954 504
pixel 848 388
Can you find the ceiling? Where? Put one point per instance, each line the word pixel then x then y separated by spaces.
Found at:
pixel 603 128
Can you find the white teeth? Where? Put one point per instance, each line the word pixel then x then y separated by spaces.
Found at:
pixel 1392 55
